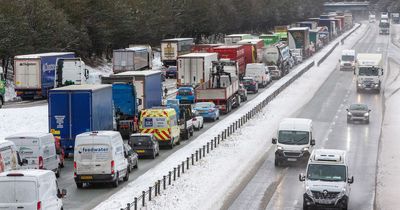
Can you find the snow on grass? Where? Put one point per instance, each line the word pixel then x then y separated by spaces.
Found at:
pixel 206 185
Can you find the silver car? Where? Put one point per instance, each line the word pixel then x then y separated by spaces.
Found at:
pixel 358 112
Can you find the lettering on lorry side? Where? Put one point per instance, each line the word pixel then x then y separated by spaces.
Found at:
pixel 48 67
pixel 60 120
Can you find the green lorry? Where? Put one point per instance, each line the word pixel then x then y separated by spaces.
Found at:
pixel 270 39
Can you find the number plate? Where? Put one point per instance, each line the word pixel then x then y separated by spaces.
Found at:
pixel 292 159
pixel 140 151
pixel 86 177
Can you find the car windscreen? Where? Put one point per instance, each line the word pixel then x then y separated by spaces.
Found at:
pixel 247 81
pixel 184 92
pixel 271 68
pixel 94 152
pixel 293 137
pixel 140 140
pixel 18 191
pixel 368 71
pixel 358 107
pixel 326 172
pixel 347 58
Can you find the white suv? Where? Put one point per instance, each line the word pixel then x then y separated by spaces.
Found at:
pixel 327 182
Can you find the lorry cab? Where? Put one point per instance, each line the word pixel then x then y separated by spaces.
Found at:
pixel 369 72
pixel 327 181
pixel 30 189
pixel 38 150
pixel 348 60
pixel 9 157
pixel 99 158
pixel 372 18
pixel 294 141
pixel 162 122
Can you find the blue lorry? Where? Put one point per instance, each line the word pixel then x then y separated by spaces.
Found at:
pixel 34 74
pixel 76 109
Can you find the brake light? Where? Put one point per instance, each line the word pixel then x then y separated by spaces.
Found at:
pixel 40 162
pixel 112 167
pixel 39 205
pixel 75 169
pixel 190 93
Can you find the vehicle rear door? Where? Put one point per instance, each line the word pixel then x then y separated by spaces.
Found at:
pixel 27 74
pixel 21 194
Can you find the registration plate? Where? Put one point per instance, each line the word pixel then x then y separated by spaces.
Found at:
pixel 292 159
pixel 86 177
pixel 140 151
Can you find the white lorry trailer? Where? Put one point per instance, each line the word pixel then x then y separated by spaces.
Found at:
pixel 70 71
pixel 369 72
pixel 194 68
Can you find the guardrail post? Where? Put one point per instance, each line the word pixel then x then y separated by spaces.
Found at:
pixel 149 193
pixel 128 206
pixel 192 156
pixel 215 141
pixel 208 147
pixel 204 150
pixel 135 203
pixel 212 144
pixel 155 189
pixel 183 167
pixel 143 198
pixel 200 153
pixel 169 178
pixel 187 163
pixel 174 173
pixel 179 171
pixel 197 155
pixel 159 187
pixel 164 182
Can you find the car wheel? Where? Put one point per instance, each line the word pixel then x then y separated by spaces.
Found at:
pixel 136 165
pixel 154 155
pixel 116 182
pixel 305 207
pixel 191 132
pixel 79 185
pixel 126 177
pixel 62 165
pixel 58 172
pixel 276 163
pixel 129 169
pixel 202 125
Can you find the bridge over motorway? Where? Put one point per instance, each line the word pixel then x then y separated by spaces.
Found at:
pixel 359 9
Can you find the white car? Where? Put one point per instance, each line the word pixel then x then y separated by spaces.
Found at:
pixel 198 121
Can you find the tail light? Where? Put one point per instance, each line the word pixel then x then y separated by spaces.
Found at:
pixel 39 205
pixel 112 167
pixel 40 162
pixel 74 168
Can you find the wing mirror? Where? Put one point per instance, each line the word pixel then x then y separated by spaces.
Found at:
pixel 302 178
pixel 274 140
pixel 350 180
pixel 312 143
pixel 62 194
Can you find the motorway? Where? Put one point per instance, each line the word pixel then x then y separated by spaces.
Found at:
pixel 279 188
pixel 89 197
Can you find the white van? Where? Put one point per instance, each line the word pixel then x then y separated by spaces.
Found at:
pixel 258 72
pixel 348 60
pixel 327 181
pixel 30 189
pixel 9 158
pixel 295 140
pixel 99 158
pixel 38 149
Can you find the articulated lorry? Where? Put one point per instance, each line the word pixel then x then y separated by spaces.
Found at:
pixel 34 74
pixel 171 49
pixel 194 68
pixel 277 55
pixel 132 59
pixel 222 88
pixel 369 72
pixel 299 39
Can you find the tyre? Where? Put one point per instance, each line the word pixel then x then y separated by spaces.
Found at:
pixel 276 162
pixel 153 155
pixel 116 182
pixel 191 132
pixel 202 125
pixel 129 169
pixel 62 165
pixel 79 185
pixel 136 165
pixel 305 207
pixel 126 177
pixel 1 102
pixel 58 173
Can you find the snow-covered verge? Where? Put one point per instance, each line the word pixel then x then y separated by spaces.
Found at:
pixel 206 185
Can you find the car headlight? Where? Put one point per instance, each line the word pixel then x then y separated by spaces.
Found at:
pixel 308 192
pixel 305 149
pixel 280 148
pixel 349 113
pixel 342 193
pixel 366 114
pixel 359 84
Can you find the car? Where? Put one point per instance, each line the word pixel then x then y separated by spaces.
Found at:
pixel 207 110
pixel 185 95
pixel 145 145
pixel 359 112
pixel 198 120
pixel 132 157
pixel 250 84
pixel 274 72
pixel 242 92
pixel 171 72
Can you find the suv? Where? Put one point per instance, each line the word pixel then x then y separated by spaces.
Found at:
pixel 144 144
pixel 326 183
pixel 250 84
pixel 275 72
pixel 358 112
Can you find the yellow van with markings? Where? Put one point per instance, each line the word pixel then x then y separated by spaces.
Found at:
pixel 162 123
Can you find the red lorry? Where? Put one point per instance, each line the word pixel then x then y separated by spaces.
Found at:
pixel 234 53
pixel 253 50
pixel 204 48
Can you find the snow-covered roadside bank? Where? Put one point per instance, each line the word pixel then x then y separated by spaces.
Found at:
pixel 206 185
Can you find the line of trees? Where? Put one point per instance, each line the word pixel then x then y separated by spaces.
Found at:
pixel 92 28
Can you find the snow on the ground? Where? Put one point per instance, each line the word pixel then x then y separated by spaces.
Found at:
pixel 206 185
pixel 96 73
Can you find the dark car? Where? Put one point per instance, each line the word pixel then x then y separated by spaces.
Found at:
pixel 171 72
pixel 358 112
pixel 144 144
pixel 250 84
pixel 132 157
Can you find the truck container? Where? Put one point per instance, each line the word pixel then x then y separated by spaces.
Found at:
pixel 342 22
pixel 299 39
pixel 71 71
pixel 194 68
pixel 278 55
pixel 130 59
pixel 204 48
pixel 348 21
pixel 234 53
pixel 76 109
pixel 34 74
pixel 171 49
pixel 282 31
pixel 309 24
pixel 338 24
pixel 331 27
pixel 222 89
pixel 125 104
pixel 232 39
pixel 148 86
pixel 395 18
pixel 270 39
pixel 149 52
pixel 253 50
